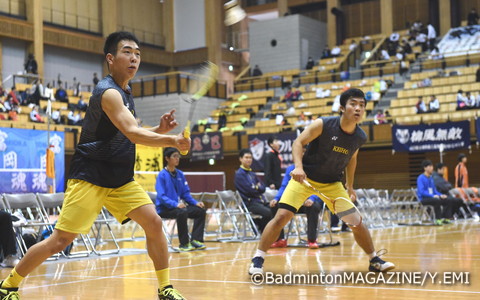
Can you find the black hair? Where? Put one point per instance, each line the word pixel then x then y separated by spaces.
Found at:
pixel 351 93
pixel 167 152
pixel 271 139
pixel 461 156
pixel 426 163
pixel 244 151
pixel 114 38
pixel 439 166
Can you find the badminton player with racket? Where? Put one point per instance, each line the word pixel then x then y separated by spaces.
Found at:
pixel 332 149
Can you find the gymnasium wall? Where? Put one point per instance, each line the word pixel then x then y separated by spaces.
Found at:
pixel 71 63
pixel 13 58
pixel 189 24
pixel 288 33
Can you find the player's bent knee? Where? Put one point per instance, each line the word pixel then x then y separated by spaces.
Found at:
pixel 282 218
pixel 352 220
pixel 58 244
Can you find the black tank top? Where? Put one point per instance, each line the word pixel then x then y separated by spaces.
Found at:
pixel 104 156
pixel 328 155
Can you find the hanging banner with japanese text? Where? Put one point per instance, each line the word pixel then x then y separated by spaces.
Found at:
pixel 427 138
pixel 148 162
pixel 206 145
pixel 258 144
pixel 24 160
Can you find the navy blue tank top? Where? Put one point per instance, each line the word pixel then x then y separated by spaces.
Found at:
pixel 328 155
pixel 104 156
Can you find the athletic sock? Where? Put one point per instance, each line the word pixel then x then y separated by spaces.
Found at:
pixel 372 255
pixel 260 253
pixel 13 280
pixel 163 277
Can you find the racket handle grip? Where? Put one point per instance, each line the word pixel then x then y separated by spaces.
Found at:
pixel 186 134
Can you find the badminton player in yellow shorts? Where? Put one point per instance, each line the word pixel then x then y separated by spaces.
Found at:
pixel 332 149
pixel 101 171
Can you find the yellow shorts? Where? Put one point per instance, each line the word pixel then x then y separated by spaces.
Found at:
pixel 83 202
pixel 296 193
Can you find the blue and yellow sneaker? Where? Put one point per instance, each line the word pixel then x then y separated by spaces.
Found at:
pixel 198 245
pixel 8 293
pixel 186 247
pixel 169 293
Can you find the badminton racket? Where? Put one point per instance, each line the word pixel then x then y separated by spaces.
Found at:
pixel 197 88
pixel 335 202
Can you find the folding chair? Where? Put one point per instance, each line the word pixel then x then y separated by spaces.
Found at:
pixel 28 206
pixel 270 194
pixel 461 194
pixel 235 211
pixel 212 204
pixel 51 205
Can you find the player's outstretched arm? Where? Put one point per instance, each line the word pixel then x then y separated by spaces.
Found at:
pixel 122 118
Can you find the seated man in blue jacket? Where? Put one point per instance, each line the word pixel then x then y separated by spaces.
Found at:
pixel 171 188
pixel 311 207
pixel 428 195
pixel 251 189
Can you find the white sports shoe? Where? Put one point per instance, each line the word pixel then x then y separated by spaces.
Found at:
pixel 10 262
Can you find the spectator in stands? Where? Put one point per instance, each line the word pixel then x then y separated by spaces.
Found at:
pixel 469 100
pixel 477 79
pixel 383 86
pixel 428 195
pixel 35 115
pixel 379 117
pixel 421 40
pixel 251 189
pixel 76 86
pixel 172 188
pixel 56 116
pixel 352 45
pixel 431 35
pixel 12 98
pixel 336 104
pixel 420 107
pixel 2 106
pixel 326 52
pixel 311 207
pixel 336 52
pixel 384 55
pixel 48 92
pixel 301 121
pixel 416 26
pixel 472 17
pixel 74 117
pixel 13 114
pixel 2 91
pixel 7 241
pixel 273 164
pixel 61 94
pixel 433 104
pixel 435 53
pixel 477 100
pixel 461 100
pixel 31 66
pixel 256 71
pixel 461 172
pixel 406 48
pixel 82 105
pixel 95 79
pixel 309 120
pixel 292 95
pixel 310 63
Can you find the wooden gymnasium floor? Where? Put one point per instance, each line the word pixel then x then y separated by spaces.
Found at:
pixel 220 272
